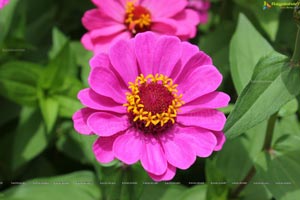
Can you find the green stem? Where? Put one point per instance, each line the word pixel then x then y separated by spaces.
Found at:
pixel 296 56
pixel 269 133
pixel 266 147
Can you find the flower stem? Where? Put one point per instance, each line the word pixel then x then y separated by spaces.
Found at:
pixel 235 193
pixel 296 56
pixel 266 147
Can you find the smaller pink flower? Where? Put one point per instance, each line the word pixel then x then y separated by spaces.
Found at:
pixel 153 99
pixel 202 7
pixel 123 19
pixel 3 3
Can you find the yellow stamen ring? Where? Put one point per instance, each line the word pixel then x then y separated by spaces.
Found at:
pixel 136 107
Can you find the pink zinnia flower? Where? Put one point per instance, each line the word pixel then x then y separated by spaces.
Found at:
pixel 152 99
pixel 202 7
pixel 3 3
pixel 123 19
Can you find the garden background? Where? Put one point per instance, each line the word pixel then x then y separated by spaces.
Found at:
pixel 43 65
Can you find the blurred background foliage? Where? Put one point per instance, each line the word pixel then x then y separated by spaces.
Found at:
pixel 42 157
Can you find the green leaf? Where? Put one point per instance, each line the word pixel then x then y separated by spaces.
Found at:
pixel 18 82
pixel 227 109
pixel 59 40
pixel 281 173
pixel 30 138
pixel 267 19
pixel 75 186
pixel 289 109
pixel 9 111
pixel 245 53
pixel 213 174
pixel 59 68
pixel 197 192
pixel 75 145
pixel 287 134
pixel 67 105
pixel 161 191
pixel 82 59
pixel 123 182
pixel 49 109
pixel 273 84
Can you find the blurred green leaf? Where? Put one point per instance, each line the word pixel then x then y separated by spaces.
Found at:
pixel 273 84
pixel 75 186
pixel 59 40
pixel 30 138
pixel 122 182
pixel 216 44
pixel 67 105
pixel 75 145
pixel 267 19
pixel 281 173
pixel 227 109
pixel 287 134
pixel 289 109
pixel 49 110
pixel 18 82
pixel 214 177
pixel 161 191
pixel 6 15
pixel 245 53
pixel 59 68
pixel 82 59
pixel 196 192
pixel 9 111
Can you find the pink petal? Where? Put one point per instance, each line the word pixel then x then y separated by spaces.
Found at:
pixel 168 175
pixel 220 139
pixel 105 82
pixel 211 100
pixel 188 52
pixel 203 16
pixel 103 44
pixel 80 121
pixel 164 26
pixel 201 81
pixel 178 151
pixel 100 60
pixel 107 30
pixel 191 61
pixel 95 19
pixel 95 101
pixel 103 149
pixel 114 8
pixel 152 157
pixel 107 124
pixel 167 54
pixel 186 22
pixel 202 140
pixel 128 147
pixel 144 51
pixel 123 59
pixel 206 118
pixel 164 8
pixel 87 42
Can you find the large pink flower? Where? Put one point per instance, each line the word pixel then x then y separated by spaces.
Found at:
pixel 152 99
pixel 3 3
pixel 123 19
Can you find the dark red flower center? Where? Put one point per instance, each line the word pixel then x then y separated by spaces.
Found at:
pixel 155 97
pixel 153 103
pixel 137 18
